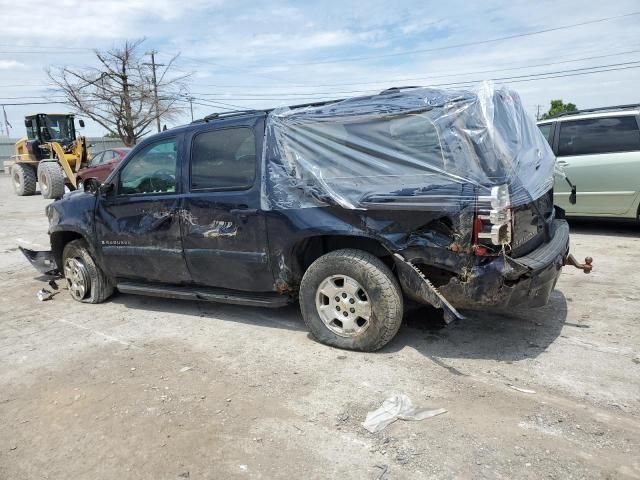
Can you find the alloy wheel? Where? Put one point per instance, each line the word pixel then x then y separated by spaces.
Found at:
pixel 343 305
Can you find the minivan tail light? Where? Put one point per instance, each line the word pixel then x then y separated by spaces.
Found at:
pixel 493 224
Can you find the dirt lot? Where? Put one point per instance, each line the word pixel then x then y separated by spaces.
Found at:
pixel 166 389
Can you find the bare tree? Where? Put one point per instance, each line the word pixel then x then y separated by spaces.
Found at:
pixel 119 93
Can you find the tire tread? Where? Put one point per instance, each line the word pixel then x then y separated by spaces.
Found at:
pixel 101 286
pixel 375 270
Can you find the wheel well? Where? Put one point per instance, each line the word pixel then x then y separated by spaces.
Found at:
pixel 307 251
pixel 58 242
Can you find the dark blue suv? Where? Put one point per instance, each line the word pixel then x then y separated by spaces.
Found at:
pixel 350 206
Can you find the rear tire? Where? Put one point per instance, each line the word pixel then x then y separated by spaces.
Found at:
pixel 85 280
pixel 23 177
pixel 350 299
pixel 51 179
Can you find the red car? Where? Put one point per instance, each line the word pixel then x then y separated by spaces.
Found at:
pixel 100 167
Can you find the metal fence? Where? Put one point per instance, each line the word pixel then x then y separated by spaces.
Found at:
pixel 7 146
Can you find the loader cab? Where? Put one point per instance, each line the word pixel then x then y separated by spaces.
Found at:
pixel 45 128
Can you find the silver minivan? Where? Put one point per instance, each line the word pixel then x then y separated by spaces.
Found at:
pixel 599 149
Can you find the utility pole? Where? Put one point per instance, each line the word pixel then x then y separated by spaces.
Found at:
pixel 153 65
pixel 191 99
pixel 538 113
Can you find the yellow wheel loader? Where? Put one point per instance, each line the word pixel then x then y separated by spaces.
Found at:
pixel 50 155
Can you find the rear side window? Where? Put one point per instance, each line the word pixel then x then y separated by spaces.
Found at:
pixel 223 159
pixel 546 129
pixel 599 135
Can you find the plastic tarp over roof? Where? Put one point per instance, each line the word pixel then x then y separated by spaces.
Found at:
pixel 420 148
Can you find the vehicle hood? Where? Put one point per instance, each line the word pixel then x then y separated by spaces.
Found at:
pixel 73 209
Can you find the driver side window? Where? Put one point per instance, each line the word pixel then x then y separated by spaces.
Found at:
pixel 152 170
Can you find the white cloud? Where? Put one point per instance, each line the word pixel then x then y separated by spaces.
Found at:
pixel 12 65
pixel 248 46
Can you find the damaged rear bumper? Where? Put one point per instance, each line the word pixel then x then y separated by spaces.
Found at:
pixel 505 282
pixel 42 260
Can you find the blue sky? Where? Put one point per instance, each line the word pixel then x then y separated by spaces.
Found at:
pixel 272 52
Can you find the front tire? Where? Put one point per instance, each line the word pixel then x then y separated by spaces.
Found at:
pixel 51 179
pixel 85 280
pixel 24 179
pixel 350 299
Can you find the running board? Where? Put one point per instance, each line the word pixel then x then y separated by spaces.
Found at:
pixel 208 294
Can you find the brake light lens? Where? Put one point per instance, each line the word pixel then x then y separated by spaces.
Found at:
pixel 493 224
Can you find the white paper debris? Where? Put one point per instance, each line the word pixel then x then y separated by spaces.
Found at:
pixel 394 408
pixel 44 295
pixel 523 390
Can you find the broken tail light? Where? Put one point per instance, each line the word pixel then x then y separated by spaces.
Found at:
pixel 493 222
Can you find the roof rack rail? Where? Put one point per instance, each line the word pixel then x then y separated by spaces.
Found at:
pixel 231 113
pixel 316 104
pixel 598 109
pixel 397 89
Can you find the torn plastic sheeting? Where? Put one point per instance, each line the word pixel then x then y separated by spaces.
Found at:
pixel 423 146
pixel 397 407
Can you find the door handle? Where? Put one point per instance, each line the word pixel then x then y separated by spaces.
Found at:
pixel 562 163
pixel 243 212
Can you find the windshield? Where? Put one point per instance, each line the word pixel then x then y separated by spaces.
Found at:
pixel 57 128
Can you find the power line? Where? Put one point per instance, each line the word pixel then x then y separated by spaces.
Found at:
pixel 461 45
pixel 533 75
pixel 444 75
pixel 547 76
pixel 43 47
pixel 21 52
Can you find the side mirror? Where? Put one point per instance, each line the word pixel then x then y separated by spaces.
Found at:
pixel 81 123
pixel 28 123
pixel 106 189
pixel 572 197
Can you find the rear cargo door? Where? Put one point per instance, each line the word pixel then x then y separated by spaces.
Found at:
pixel 223 227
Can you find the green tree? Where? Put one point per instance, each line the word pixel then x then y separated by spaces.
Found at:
pixel 558 107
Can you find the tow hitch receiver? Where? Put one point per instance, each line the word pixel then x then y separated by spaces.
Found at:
pixel 585 267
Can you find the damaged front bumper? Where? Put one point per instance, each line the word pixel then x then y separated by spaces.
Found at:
pixel 504 282
pixel 42 260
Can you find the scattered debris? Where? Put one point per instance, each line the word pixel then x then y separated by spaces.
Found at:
pixel 244 468
pixel 577 325
pixel 53 284
pixel 44 295
pixel 341 357
pixel 636 359
pixel 383 472
pixel 523 390
pixel 185 369
pixel 394 408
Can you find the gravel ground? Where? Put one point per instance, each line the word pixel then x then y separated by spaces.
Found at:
pixel 167 389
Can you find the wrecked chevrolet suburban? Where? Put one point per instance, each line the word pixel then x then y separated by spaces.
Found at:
pixel 350 206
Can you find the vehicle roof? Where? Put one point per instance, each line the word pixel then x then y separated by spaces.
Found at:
pixel 595 113
pixel 50 114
